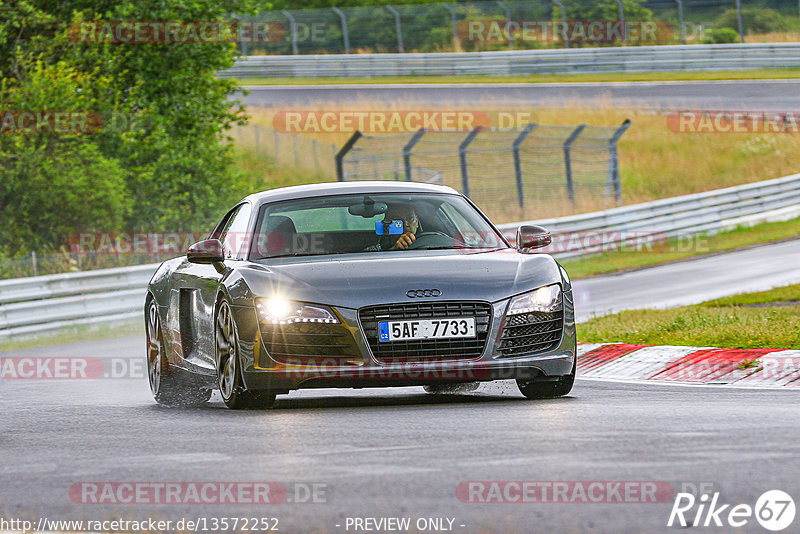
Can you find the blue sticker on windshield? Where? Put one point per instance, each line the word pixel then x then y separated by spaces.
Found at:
pixel 383 330
pixel 389 227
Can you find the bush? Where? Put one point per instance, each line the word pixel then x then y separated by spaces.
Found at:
pixel 721 36
pixel 754 20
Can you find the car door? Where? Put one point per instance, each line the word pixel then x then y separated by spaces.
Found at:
pixel 195 292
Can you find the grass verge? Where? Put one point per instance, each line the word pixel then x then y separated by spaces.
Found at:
pixel 731 322
pixel 758 74
pixel 680 249
pixel 655 162
pixel 75 334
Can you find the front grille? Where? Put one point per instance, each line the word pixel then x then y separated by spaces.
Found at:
pixel 307 343
pixel 427 349
pixel 529 333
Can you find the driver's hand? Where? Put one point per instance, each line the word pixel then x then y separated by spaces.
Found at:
pixel 404 241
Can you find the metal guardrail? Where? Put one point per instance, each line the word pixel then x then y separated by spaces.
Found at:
pixel 710 212
pixel 512 62
pixel 36 304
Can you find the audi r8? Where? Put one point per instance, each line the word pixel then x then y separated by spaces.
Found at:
pixel 358 284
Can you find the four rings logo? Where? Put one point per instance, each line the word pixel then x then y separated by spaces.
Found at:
pixel 420 293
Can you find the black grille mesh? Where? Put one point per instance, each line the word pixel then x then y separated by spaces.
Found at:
pixel 302 343
pixel 428 349
pixel 529 333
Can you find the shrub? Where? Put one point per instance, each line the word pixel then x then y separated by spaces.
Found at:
pixel 754 20
pixel 720 36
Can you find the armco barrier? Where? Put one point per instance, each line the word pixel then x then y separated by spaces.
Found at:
pixel 711 211
pixel 29 305
pixel 513 62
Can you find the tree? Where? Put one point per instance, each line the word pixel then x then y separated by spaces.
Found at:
pixel 160 159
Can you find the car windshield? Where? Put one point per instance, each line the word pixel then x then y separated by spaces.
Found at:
pixel 371 223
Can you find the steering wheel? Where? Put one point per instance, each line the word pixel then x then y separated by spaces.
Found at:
pixel 431 239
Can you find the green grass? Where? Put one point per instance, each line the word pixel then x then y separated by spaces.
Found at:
pixel 758 74
pixel 675 250
pixel 719 323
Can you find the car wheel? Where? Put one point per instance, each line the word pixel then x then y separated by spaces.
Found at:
pixel 546 390
pixel 229 374
pixel 463 387
pixel 166 383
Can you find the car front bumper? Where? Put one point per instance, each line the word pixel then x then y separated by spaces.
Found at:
pixel 261 372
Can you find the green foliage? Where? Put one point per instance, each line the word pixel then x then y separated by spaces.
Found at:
pixel 160 161
pixel 721 36
pixel 604 10
pixel 754 20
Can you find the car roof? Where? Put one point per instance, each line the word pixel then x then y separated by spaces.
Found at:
pixel 344 188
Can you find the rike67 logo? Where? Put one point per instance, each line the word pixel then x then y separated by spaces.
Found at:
pixel 774 510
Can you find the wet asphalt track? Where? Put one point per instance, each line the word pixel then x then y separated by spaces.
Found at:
pixel 757 95
pixel 400 452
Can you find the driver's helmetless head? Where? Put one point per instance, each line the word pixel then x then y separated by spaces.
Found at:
pixel 405 213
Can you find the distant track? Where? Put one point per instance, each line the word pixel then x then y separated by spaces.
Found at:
pixel 766 95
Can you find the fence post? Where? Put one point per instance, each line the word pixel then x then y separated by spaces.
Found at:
pixel 683 24
pixel 613 161
pixel 407 152
pixel 399 26
pixel 296 152
pixel 462 158
pixel 622 20
pixel 739 20
pixel 508 23
pixel 34 263
pixel 568 160
pixel 563 20
pixel 345 33
pixel 454 22
pixel 292 29
pixel 242 42
pixel 343 152
pixel 277 143
pixel 518 164
pixel 316 160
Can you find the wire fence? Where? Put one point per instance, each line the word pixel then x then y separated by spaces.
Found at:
pixel 510 174
pixel 298 151
pixel 518 24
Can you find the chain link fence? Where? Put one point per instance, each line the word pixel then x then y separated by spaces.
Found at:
pixel 510 174
pixel 499 25
pixel 295 150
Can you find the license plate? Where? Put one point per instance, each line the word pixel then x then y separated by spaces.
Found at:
pixel 452 327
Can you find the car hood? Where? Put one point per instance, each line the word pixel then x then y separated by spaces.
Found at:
pixel 357 280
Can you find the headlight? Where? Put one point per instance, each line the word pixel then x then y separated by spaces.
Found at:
pixel 282 311
pixel 544 299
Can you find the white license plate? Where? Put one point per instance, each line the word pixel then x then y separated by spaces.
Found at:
pixel 449 328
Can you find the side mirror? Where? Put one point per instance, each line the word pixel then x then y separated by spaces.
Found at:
pixel 206 251
pixel 533 237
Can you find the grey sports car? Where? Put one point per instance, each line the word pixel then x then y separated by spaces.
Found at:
pixel 358 284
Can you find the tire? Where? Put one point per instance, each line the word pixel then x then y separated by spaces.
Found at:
pixel 170 386
pixel 548 390
pixel 229 374
pixel 463 387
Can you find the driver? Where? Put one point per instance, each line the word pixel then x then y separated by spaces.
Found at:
pixel 405 213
